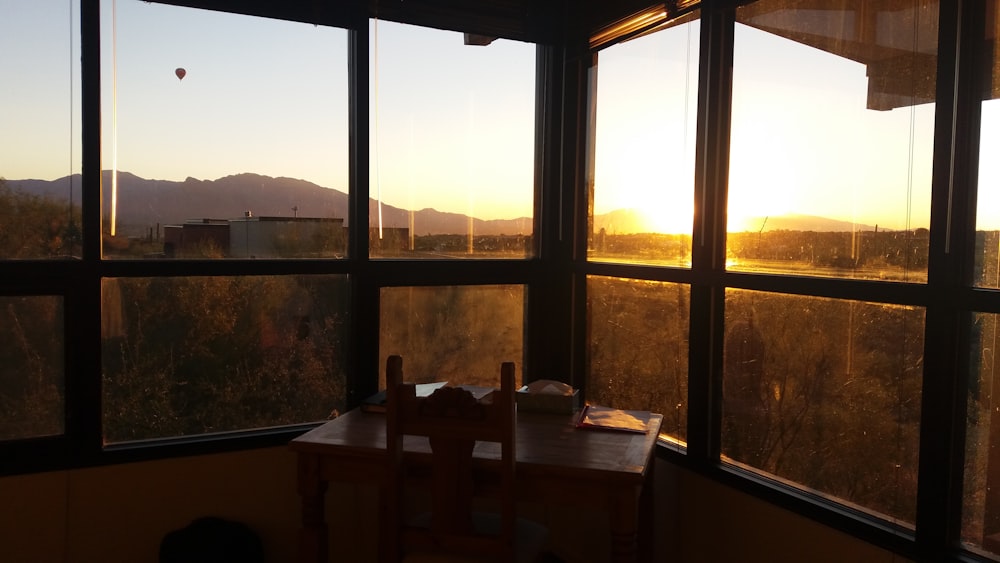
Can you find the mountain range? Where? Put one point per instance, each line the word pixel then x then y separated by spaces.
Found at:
pixel 145 203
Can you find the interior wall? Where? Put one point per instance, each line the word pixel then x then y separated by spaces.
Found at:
pixel 120 513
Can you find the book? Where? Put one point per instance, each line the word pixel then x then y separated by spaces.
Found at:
pixel 607 418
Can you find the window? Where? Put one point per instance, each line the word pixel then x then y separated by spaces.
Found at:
pixel 831 148
pixel 644 135
pixel 40 119
pixel 459 334
pixel 225 136
pixel 193 355
pixel 825 393
pixel 32 378
pixel 639 348
pixel 452 130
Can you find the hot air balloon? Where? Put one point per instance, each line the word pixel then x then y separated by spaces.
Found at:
pixel 180 72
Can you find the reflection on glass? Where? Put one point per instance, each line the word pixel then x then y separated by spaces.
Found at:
pixel 638 346
pixel 194 355
pixel 452 145
pixel 40 130
pixel 832 134
pixel 644 137
pixel 825 393
pixel 988 199
pixel 225 135
pixel 32 377
pixel 459 334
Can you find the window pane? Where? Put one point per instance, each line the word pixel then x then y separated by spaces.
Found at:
pixel 988 201
pixel 825 393
pixel 32 374
pixel 644 136
pixel 225 135
pixel 40 120
pixel 639 348
pixel 459 334
pixel 832 137
pixel 981 501
pixel 194 355
pixel 452 145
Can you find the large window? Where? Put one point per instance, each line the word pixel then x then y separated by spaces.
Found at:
pixel 225 136
pixel 832 130
pixel 452 157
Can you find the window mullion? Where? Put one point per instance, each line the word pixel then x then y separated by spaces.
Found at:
pixel 708 251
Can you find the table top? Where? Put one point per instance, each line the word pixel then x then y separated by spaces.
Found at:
pixel 546 443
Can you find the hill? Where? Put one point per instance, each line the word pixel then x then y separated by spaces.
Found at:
pixel 145 203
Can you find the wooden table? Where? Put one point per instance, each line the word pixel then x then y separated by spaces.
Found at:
pixel 557 463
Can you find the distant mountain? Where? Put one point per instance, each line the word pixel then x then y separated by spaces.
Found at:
pixel 144 203
pixel 628 221
pixel 796 222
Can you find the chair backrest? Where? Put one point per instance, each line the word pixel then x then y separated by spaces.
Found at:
pixel 453 421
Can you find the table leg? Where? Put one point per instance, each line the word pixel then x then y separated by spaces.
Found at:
pixel 313 542
pixel 624 525
pixel 647 516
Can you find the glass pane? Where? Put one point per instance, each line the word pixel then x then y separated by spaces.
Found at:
pixel 40 120
pixel 825 393
pixel 644 140
pixel 225 135
pixel 988 202
pixel 459 334
pixel 981 501
pixel 194 355
pixel 452 145
pixel 32 375
pixel 832 137
pixel 639 348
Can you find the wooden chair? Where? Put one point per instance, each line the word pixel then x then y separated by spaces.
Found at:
pixel 454 421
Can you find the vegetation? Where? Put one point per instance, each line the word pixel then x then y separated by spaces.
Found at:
pixel 35 227
pixel 194 355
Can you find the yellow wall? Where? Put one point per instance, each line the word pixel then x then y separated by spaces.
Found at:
pixel 119 514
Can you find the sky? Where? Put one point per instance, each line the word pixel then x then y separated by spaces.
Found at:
pixel 452 125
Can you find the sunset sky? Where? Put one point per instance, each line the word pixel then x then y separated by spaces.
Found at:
pixel 454 122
